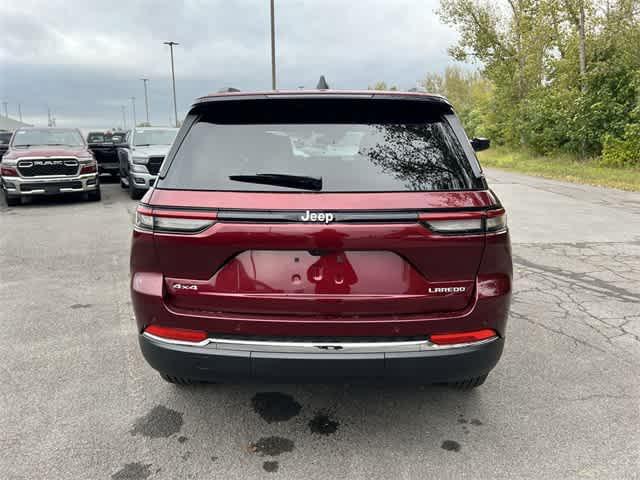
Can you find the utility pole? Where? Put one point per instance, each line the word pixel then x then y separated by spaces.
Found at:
pixel 273 47
pixel 19 112
pixel 124 117
pixel 146 99
pixel 133 106
pixel 49 117
pixel 6 106
pixel 173 79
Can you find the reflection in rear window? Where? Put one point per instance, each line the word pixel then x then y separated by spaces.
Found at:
pixel 349 157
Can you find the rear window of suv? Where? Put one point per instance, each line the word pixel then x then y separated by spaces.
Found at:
pixel 372 146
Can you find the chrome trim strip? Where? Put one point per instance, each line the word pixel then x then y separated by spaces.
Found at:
pixel 317 347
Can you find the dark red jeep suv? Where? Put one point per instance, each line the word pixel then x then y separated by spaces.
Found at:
pixel 318 235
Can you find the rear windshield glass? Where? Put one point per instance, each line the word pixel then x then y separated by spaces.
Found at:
pixel 378 156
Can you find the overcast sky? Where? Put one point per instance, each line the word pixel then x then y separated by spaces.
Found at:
pixel 85 61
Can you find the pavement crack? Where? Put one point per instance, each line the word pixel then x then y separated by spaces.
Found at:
pixel 586 283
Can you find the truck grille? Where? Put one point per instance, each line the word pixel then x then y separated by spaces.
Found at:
pixel 41 167
pixel 154 165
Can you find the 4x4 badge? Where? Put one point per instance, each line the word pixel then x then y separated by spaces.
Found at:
pixel 317 217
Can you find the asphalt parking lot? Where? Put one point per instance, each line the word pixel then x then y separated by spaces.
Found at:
pixel 78 402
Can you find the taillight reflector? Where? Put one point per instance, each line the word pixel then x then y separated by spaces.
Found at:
pixel 462 225
pixel 172 221
pixel 181 334
pixel 462 337
pixel 492 221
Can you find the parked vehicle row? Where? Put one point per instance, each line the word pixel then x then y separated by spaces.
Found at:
pixel 47 161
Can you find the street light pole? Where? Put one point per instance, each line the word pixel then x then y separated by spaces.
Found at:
pixel 124 117
pixel 273 47
pixel 146 99
pixel 6 106
pixel 19 112
pixel 133 105
pixel 173 80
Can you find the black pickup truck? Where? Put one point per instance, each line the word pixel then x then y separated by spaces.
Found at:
pixel 5 138
pixel 104 146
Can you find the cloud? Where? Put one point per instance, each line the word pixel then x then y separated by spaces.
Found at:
pixel 85 59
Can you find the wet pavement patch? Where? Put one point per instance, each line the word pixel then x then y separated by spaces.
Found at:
pixel 76 306
pixel 270 467
pixel 182 439
pixel 450 445
pixel 275 406
pixel 476 422
pixel 133 471
pixel 214 458
pixel 323 424
pixel 159 422
pixel 272 446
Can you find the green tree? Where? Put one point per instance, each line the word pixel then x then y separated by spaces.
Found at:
pixel 562 72
pixel 381 86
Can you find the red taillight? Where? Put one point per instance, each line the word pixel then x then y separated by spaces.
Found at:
pixel 8 172
pixel 170 221
pixel 181 334
pixel 462 337
pixel 89 168
pixel 465 223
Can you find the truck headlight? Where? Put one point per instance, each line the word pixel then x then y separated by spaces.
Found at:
pixel 140 160
pixel 139 168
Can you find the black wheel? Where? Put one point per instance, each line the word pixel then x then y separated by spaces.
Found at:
pixel 12 200
pixel 134 193
pixel 95 195
pixel 177 380
pixel 469 383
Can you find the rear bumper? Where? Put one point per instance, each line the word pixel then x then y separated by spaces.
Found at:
pixel 50 185
pixel 215 362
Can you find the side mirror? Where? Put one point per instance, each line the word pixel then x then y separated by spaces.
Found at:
pixel 480 144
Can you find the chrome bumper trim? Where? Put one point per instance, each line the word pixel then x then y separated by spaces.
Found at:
pixel 18 181
pixel 317 347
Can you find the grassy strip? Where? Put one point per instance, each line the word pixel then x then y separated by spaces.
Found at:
pixel 562 168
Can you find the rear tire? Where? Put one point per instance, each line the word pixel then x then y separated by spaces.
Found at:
pixel 177 380
pixel 134 193
pixel 12 200
pixel 468 384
